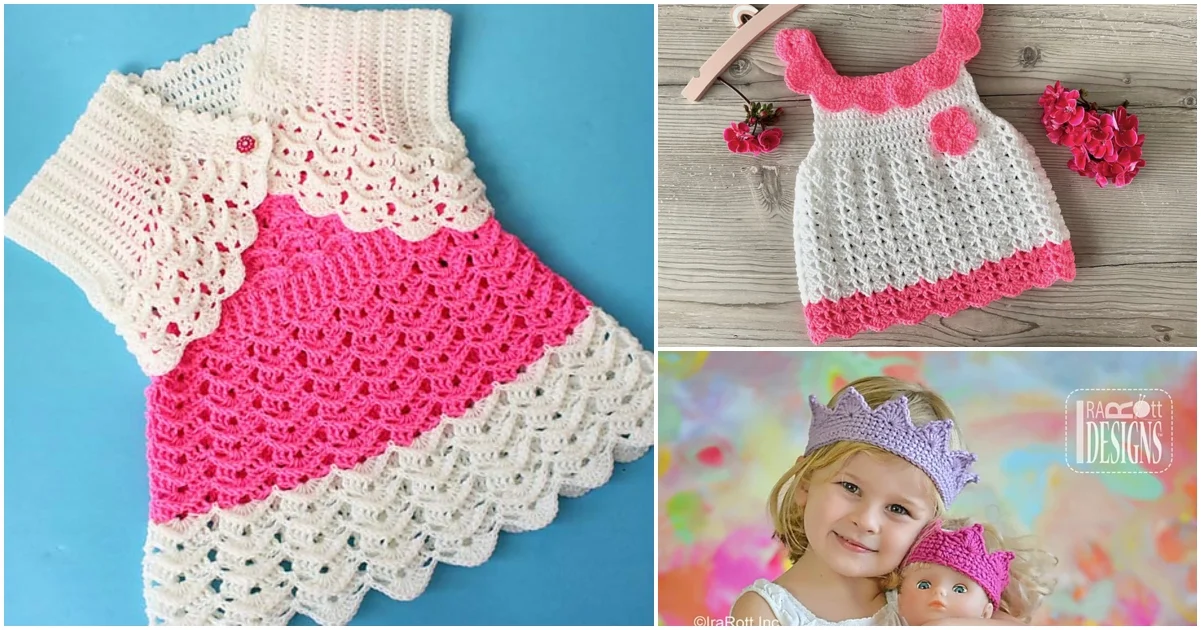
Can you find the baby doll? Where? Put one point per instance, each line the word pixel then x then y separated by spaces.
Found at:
pixel 950 574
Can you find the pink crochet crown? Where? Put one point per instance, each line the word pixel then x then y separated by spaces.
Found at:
pixel 964 550
pixel 890 428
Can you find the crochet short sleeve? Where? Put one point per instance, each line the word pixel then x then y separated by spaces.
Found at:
pixel 147 218
pixel 149 203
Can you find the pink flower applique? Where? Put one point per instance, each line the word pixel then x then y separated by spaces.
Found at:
pixel 953 131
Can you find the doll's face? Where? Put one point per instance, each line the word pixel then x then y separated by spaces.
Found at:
pixel 932 591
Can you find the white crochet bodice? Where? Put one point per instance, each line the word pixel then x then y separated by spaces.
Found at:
pixel 148 204
pixel 872 198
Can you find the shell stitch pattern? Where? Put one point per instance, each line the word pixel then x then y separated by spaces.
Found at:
pixel 386 523
pixel 876 208
pixel 1010 277
pixel 339 344
pixel 148 218
pixel 149 203
pixel 355 372
pixel 809 72
pixel 334 164
pixel 200 220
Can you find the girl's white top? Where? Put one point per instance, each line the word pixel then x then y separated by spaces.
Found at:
pixel 791 612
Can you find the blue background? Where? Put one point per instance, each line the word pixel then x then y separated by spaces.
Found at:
pixel 556 103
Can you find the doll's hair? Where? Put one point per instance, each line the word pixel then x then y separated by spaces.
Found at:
pixel 925 406
pixel 1030 571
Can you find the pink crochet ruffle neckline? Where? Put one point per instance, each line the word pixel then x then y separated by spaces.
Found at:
pixel 809 72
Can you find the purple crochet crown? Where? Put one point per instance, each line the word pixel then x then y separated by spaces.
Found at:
pixel 964 550
pixel 890 428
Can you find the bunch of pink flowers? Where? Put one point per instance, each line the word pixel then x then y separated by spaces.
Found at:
pixel 755 134
pixel 741 138
pixel 1105 145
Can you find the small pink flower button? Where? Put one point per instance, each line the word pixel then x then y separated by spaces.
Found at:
pixel 953 131
pixel 246 144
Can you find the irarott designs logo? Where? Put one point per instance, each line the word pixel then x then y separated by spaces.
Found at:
pixel 1118 430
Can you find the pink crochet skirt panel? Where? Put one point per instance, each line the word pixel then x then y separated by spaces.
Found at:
pixel 338 344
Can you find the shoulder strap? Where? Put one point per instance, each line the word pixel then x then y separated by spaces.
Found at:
pixel 960 30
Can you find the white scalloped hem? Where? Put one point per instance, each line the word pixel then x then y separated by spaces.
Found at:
pixel 385 524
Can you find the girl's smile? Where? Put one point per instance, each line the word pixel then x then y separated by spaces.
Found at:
pixel 852 545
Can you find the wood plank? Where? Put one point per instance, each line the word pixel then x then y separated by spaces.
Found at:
pixel 726 266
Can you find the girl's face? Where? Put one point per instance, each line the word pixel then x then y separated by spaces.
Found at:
pixel 862 519
pixel 932 591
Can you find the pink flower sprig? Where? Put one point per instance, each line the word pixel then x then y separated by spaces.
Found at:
pixel 754 134
pixel 1106 145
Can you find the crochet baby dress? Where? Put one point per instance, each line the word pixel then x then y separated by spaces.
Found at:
pixel 356 372
pixel 914 199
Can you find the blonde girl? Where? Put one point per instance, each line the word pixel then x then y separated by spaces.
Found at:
pixel 884 460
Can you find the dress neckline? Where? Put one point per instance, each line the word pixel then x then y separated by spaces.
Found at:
pixel 808 71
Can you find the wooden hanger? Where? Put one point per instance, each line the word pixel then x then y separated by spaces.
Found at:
pixel 743 37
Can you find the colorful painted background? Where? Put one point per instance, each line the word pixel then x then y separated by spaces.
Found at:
pixel 730 423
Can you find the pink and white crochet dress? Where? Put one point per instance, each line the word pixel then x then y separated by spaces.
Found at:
pixel 356 373
pixel 915 199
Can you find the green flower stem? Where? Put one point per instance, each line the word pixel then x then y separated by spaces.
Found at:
pixel 748 101
pixel 755 131
pixel 1096 108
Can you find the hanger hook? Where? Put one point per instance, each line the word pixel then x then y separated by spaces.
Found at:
pixel 741 14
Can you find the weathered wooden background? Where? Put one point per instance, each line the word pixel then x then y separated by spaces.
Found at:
pixel 726 271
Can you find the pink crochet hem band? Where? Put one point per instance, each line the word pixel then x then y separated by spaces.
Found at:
pixel 1040 267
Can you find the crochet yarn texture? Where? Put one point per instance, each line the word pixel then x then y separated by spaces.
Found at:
pixel 789 610
pixel 889 427
pixel 965 551
pixel 356 372
pixel 914 199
